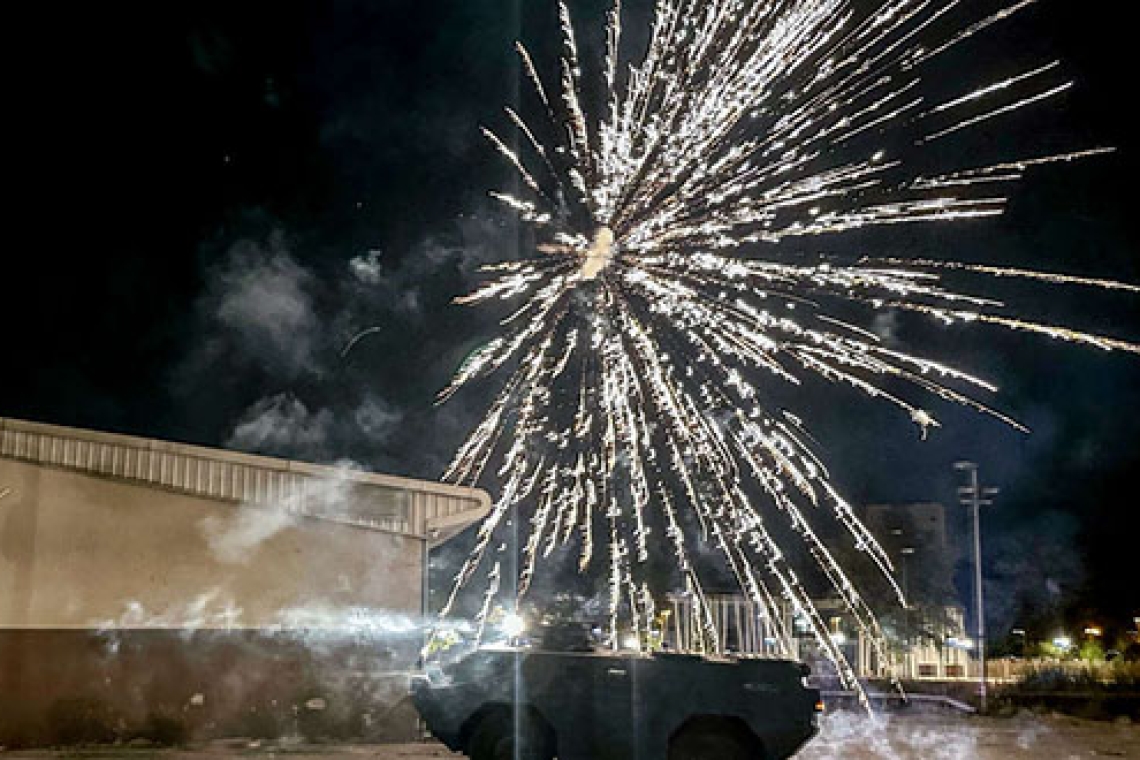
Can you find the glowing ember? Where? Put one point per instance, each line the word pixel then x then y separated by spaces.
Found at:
pixel 600 254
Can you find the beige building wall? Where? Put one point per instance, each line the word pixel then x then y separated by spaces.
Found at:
pixel 104 530
pixel 83 551
pixel 151 590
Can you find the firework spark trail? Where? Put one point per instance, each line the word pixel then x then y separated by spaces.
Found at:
pixel 660 303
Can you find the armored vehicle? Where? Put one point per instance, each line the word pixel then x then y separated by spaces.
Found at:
pixel 513 703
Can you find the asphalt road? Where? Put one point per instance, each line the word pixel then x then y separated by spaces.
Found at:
pixel 844 737
pixel 849 737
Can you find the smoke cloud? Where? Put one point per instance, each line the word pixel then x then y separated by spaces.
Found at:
pixel 855 736
pixel 235 539
pixel 282 424
pixel 262 305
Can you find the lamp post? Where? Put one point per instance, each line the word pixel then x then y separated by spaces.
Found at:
pixel 906 553
pixel 975 497
pixel 1021 640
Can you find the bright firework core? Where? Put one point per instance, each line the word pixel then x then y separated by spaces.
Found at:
pixel 600 254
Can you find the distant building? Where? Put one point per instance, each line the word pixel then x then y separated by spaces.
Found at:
pixel 143 575
pixel 937 648
pixel 926 641
pixel 931 637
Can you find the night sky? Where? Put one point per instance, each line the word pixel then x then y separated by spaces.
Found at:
pixel 212 199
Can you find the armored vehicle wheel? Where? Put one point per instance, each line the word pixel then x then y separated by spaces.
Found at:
pixel 715 739
pixel 496 738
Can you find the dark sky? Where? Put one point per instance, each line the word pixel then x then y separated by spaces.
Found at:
pixel 212 198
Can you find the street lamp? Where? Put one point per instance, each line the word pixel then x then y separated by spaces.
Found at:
pixel 906 552
pixel 513 625
pixel 974 496
pixel 1021 641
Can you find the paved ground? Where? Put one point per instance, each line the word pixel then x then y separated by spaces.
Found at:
pixel 844 737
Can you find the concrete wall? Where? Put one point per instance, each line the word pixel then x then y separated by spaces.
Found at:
pixel 131 611
pixel 81 686
pixel 80 551
pixel 154 590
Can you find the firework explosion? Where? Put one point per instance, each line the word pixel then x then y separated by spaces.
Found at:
pixel 659 306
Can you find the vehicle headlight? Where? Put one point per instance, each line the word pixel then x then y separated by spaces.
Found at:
pixel 513 626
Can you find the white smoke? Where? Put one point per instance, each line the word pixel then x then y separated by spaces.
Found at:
pixel 215 610
pixel 908 736
pixel 281 423
pixel 235 539
pixel 210 609
pixel 358 620
pixel 399 284
pixel 262 301
pixel 376 418
pixel 366 268
pixel 854 735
